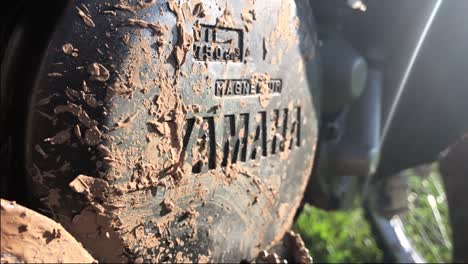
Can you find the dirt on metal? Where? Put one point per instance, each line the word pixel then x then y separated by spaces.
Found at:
pixel 135 151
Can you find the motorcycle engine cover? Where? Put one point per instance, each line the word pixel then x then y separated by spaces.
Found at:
pixel 175 131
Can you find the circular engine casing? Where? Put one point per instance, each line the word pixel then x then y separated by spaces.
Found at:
pixel 175 131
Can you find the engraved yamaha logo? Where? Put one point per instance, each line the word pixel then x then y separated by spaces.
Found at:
pixel 210 142
pixel 245 137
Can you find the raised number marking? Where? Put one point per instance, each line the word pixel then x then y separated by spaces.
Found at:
pixel 219 44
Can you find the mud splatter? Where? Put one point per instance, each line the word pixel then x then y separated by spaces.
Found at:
pixel 226 19
pixel 261 81
pixel 98 72
pixel 86 18
pixel 248 17
pixel 60 138
pixel 68 49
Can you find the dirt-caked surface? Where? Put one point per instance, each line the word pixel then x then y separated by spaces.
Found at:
pixel 174 130
pixel 29 237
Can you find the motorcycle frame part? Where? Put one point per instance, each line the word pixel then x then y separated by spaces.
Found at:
pixel 400 39
pixel 348 149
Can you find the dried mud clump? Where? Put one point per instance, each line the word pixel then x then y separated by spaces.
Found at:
pixel 86 18
pixel 27 236
pixel 261 81
pixel 68 49
pixel 98 72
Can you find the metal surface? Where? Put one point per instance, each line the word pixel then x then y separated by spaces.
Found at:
pixel 348 149
pixel 392 234
pixel 413 118
pixel 432 111
pixel 246 107
pixel 344 73
pixel 419 48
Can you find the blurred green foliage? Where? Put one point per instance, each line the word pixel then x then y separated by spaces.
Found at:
pixel 427 221
pixel 338 237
